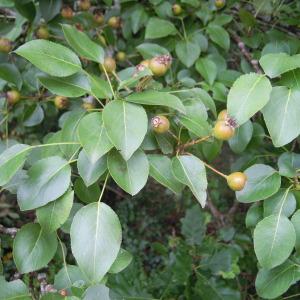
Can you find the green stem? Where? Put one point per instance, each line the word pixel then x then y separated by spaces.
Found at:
pixel 103 187
pixel 107 77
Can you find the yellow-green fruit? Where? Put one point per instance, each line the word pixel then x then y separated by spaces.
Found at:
pixel 145 63
pixel 177 9
pixel 84 4
pixel 43 33
pixel 88 105
pixel 61 102
pixel 13 97
pixel 5 45
pixel 99 18
pixel 157 67
pixel 220 3
pixel 102 40
pixel 223 115
pixel 223 131
pixel 109 64
pixel 67 12
pixel 160 124
pixel 121 56
pixel 114 22
pixel 236 181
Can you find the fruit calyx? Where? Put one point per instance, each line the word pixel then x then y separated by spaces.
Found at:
pixel 160 124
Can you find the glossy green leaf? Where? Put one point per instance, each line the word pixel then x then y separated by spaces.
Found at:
pixel 288 164
pixel 122 261
pixel 254 215
pixel 243 134
pixel 87 194
pixel 149 50
pixel 262 182
pixel 158 28
pixel 296 222
pixel 46 181
pixel 52 58
pixel 160 170
pixel 157 98
pixel 99 291
pixel 93 137
pixel 15 289
pixel 33 248
pixel 284 107
pixel 55 213
pixel 100 87
pixel 219 36
pixel 190 170
pixel 207 69
pixel 50 9
pixel 33 115
pixel 67 276
pixel 82 44
pixel 10 73
pixel 130 175
pixel 12 160
pixel 249 94
pixel 274 240
pixel 188 51
pixel 195 125
pixel 126 126
pixel 89 171
pixel 275 64
pixel 72 86
pixel 95 239
pixel 283 201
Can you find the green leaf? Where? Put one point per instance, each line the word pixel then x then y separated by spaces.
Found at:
pixel 69 132
pixel 262 182
pixel 193 226
pixel 296 222
pixel 157 98
pixel 288 164
pixel 98 291
pixel 149 50
pixel 123 259
pixel 47 180
pixel 95 239
pixel 100 87
pixel 188 51
pixel 249 93
pixel 158 28
pixel 275 64
pixel 89 171
pixel 72 86
pixel 274 240
pixel 67 276
pixel 283 201
pixel 86 194
pixel 271 284
pixel 128 128
pixel 219 36
pixel 82 44
pixel 15 289
pixel 33 248
pixel 207 69
pixel 10 73
pixel 95 142
pixel 195 125
pixel 52 58
pixel 254 215
pixel 55 213
pixel 190 170
pixel 50 9
pixel 284 107
pixel 243 134
pixel 160 170
pixel 130 175
pixel 12 160
pixel 33 115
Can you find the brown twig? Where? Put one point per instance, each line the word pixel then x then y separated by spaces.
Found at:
pixel 193 142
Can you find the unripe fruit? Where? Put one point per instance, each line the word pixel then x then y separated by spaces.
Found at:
pixel 159 65
pixel 223 131
pixel 177 9
pixel 236 181
pixel 223 115
pixel 84 4
pixel 114 22
pixel 145 63
pixel 43 33
pixel 109 64
pixel 220 4
pixel 67 12
pixel 99 18
pixel 88 105
pixel 5 45
pixel 121 56
pixel 13 97
pixel 102 40
pixel 160 124
pixel 61 102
